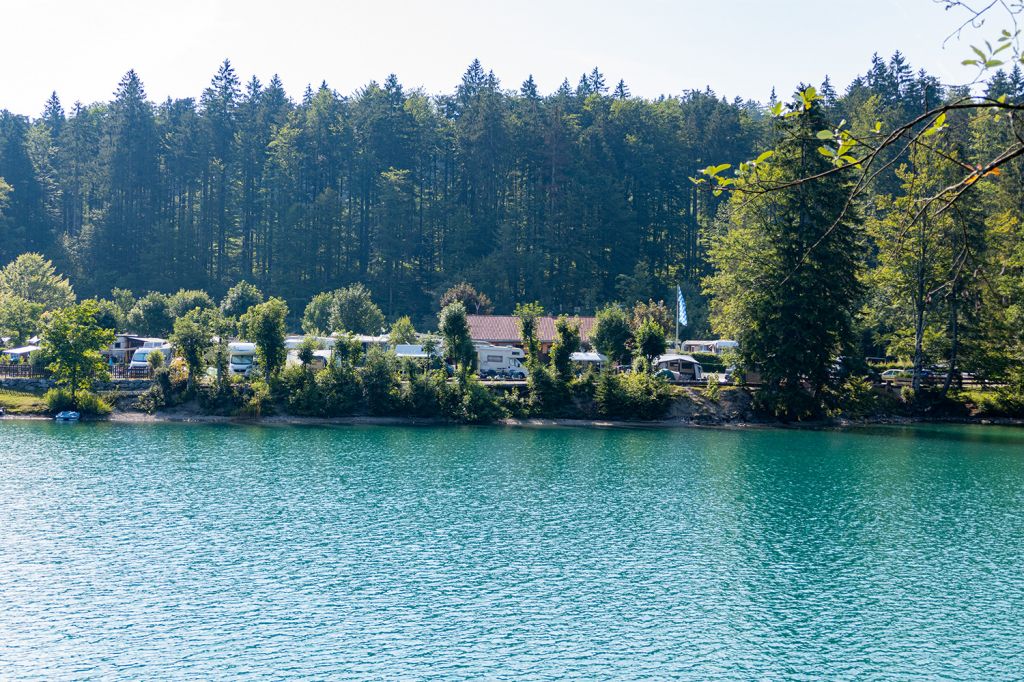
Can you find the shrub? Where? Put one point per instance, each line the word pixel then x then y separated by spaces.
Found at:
pixel 380 382
pixel 713 391
pixel 300 391
pixel 423 394
pixel 857 398
pixel 257 401
pixel 155 359
pixel 339 389
pixel 633 395
pixel 1002 403
pixel 479 405
pixel 86 402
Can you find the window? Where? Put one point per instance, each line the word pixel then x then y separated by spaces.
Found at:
pixel 494 358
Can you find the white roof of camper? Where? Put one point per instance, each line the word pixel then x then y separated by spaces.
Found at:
pixel 24 350
pixel 671 357
pixel 587 356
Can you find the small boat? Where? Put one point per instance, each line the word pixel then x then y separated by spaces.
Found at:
pixel 67 416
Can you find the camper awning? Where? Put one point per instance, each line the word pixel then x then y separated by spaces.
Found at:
pixel 24 350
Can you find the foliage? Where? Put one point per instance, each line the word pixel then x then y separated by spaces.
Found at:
pixel 240 298
pixel 567 342
pixel 353 310
pixel 472 299
pixel 186 300
pixel 33 278
pixel 316 319
pixel 379 378
pixel 307 350
pixel 775 248
pixel 656 312
pixel 631 395
pixel 713 390
pixel 402 331
pixel 264 325
pixel 454 329
pixel 155 359
pixel 109 315
pixel 150 316
pixel 612 333
pixel 528 314
pixel 192 340
pixel 73 341
pixel 648 342
pixel 86 402
pixel 19 318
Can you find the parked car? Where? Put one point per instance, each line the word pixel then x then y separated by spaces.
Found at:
pixel 890 376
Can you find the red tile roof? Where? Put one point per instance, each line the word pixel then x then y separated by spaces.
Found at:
pixel 505 328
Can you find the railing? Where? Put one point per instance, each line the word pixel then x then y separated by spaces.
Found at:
pixel 22 370
pixel 128 372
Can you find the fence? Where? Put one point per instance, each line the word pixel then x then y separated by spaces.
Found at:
pixel 128 372
pixel 22 370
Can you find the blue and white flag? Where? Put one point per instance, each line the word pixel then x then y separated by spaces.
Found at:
pixel 682 305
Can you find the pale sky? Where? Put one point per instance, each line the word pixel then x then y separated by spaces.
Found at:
pixel 81 48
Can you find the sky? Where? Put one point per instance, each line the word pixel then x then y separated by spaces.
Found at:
pixel 81 48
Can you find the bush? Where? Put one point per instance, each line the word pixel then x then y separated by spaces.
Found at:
pixel 479 405
pixel 257 399
pixel 548 395
pixel 1002 403
pixel 713 391
pixel 424 393
pixel 633 395
pixel 297 385
pixel 380 382
pixel 339 389
pixel 857 398
pixel 709 362
pixel 59 400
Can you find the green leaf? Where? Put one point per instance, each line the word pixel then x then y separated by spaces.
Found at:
pixel 824 135
pixel 765 156
pixel 825 151
pixel 993 63
pixel 973 62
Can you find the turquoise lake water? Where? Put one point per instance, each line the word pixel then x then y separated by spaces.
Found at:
pixel 216 552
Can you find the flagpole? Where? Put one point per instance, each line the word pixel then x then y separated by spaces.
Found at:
pixel 677 317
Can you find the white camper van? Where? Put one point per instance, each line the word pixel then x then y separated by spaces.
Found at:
pixel 501 362
pixel 140 358
pixel 241 357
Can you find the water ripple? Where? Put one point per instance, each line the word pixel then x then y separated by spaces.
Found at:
pixel 176 552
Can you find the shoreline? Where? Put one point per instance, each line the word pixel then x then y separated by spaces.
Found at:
pixel 130 417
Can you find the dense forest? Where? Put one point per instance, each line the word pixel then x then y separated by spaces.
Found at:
pixel 575 199
pixel 527 196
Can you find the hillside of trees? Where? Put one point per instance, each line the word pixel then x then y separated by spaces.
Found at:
pixel 573 198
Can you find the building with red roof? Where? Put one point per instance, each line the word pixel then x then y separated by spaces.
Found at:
pixel 503 330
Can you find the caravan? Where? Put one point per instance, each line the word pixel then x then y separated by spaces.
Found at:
pixel 241 357
pixel 501 362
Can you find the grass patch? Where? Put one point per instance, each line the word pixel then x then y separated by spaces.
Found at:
pixel 21 402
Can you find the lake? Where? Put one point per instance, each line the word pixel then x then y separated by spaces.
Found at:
pixel 164 551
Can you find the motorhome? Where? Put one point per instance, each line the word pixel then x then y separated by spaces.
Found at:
pixel 501 362
pixel 241 357
pixel 140 358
